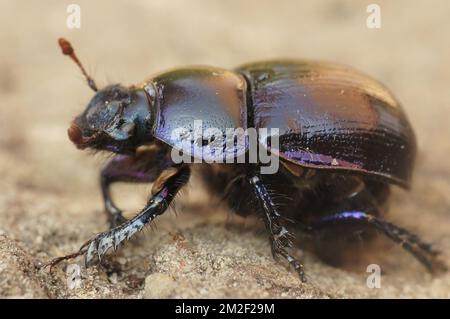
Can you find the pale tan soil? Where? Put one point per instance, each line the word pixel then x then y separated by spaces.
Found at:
pixel 49 200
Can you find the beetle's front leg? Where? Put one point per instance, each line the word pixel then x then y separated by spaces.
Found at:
pixel 144 167
pixel 96 247
pixel 279 236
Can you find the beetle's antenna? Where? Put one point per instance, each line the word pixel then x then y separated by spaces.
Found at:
pixel 67 49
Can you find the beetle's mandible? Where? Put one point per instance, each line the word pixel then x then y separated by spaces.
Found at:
pixel 343 140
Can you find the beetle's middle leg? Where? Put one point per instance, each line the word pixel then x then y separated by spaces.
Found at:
pixel 278 234
pixel 144 167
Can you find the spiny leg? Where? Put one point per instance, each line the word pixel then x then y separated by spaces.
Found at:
pixel 278 234
pixel 144 167
pixel 96 247
pixel 410 242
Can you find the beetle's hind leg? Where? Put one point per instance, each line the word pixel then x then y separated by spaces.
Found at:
pixel 422 251
pixel 144 167
pixel 280 238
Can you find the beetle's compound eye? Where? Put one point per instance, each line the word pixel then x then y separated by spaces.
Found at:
pixel 102 114
pixel 106 106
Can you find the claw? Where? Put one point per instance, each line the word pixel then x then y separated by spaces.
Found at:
pixel 116 243
pixel 90 254
pixel 104 244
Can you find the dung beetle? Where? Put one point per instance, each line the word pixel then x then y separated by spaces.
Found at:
pixel 343 141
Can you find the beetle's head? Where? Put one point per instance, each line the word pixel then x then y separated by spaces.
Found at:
pixel 117 118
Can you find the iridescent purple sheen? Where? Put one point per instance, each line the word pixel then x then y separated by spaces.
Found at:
pixel 344 216
pixel 319 159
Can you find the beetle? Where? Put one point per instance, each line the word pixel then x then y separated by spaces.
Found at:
pixel 344 139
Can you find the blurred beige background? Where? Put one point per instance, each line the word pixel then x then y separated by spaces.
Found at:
pixel 50 201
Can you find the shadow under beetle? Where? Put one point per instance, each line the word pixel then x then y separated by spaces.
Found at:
pixel 344 139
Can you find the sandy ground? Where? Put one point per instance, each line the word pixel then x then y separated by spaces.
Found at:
pixel 50 202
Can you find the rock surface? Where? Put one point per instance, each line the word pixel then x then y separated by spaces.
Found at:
pixel 50 203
